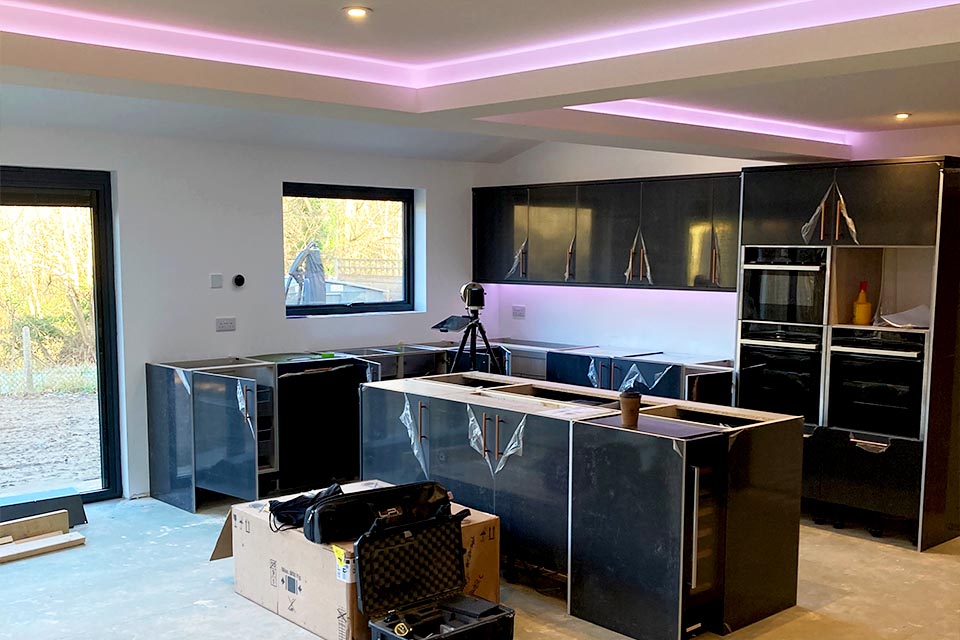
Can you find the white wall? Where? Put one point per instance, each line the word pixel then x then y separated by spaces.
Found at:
pixel 683 321
pixel 185 208
pixel 928 141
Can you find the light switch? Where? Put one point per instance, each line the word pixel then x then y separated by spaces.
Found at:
pixel 226 324
pixel 519 312
pixel 216 281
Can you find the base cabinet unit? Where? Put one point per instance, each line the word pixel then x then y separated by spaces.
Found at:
pixel 871 473
pixel 395 445
pixel 250 427
pixel 680 534
pixel 581 370
pixel 659 379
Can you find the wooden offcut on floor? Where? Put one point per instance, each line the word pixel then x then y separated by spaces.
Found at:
pixel 144 574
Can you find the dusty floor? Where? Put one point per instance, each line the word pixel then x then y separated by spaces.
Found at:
pixel 48 441
pixel 144 574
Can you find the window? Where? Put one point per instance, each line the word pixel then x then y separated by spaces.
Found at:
pixel 347 249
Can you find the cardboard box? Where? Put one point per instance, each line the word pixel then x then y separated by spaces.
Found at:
pixel 314 585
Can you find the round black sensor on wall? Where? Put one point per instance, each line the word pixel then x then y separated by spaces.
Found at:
pixel 238 280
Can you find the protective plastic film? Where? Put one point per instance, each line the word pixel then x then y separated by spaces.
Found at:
pixel 628 274
pixel 634 375
pixel 646 260
pixel 515 446
pixel 475 433
pixel 407 419
pixel 517 258
pixel 242 406
pixel 851 225
pixel 592 374
pixel 809 229
pixel 184 380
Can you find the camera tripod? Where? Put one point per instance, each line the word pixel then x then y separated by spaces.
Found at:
pixel 470 333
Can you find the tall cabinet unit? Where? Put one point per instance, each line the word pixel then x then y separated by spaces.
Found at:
pixel 882 436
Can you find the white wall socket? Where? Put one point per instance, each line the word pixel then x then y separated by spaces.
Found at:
pixel 226 324
pixel 519 312
pixel 216 281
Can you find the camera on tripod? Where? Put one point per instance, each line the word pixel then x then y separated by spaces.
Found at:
pixel 474 300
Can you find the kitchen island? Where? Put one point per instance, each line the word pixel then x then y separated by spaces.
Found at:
pixel 687 521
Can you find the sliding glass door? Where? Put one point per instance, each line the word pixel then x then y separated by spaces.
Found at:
pixel 59 418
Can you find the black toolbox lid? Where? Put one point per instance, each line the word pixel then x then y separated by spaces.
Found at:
pixel 401 568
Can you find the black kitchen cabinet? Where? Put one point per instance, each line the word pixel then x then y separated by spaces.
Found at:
pixel 813 453
pixel 532 488
pixel 777 203
pixel 725 195
pixel 677 230
pixel 872 473
pixel 395 444
pixel 648 378
pixel 457 432
pixel 579 369
pixel 890 203
pixel 608 225
pixel 551 249
pixel 500 224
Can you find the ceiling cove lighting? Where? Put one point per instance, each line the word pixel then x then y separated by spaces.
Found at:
pixel 357 13
pixel 758 18
pixel 680 114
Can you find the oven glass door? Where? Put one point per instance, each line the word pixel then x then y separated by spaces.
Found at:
pixel 781 380
pixel 783 294
pixel 876 394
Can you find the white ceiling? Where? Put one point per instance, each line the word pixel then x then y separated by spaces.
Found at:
pixel 41 107
pixel 411 31
pixel 855 102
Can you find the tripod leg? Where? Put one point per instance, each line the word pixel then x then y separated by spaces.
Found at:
pixel 493 356
pixel 463 344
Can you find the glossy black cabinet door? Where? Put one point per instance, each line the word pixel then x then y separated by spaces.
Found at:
pixel 677 228
pixel 648 378
pixel 608 220
pixel 725 193
pixel 225 439
pixel 890 204
pixel 781 380
pixel 883 477
pixel 582 370
pixel 499 234
pixel 462 452
pixel 813 453
pixel 638 593
pixel 778 202
pixel 395 444
pixel 532 480
pixel 553 227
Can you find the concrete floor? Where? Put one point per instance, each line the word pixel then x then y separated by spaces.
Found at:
pixel 144 574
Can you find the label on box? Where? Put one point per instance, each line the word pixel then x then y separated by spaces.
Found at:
pixel 346 569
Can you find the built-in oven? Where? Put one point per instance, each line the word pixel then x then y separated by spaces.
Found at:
pixel 876 381
pixel 781 369
pixel 784 284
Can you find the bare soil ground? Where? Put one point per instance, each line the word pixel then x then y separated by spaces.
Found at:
pixel 49 440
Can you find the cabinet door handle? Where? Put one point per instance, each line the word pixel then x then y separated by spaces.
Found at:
pixel 569 273
pixel 695 533
pixel 643 259
pixel 713 265
pixel 523 260
pixel 497 436
pixel 823 222
pixel 420 409
pixel 246 403
pixel 836 235
pixel 868 445
pixel 483 430
pixel 633 255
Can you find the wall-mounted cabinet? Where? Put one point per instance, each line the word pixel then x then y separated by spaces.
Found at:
pixel 870 204
pixel 671 233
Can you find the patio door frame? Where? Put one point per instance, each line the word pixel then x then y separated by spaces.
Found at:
pixel 52 187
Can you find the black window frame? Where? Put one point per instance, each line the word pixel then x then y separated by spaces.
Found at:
pixel 345 192
pixel 57 187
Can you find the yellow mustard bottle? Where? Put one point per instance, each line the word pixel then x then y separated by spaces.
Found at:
pixel 862 308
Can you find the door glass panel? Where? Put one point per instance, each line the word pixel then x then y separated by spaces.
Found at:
pixel 50 423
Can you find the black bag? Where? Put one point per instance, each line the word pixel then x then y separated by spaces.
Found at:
pixel 349 516
pixel 410 582
pixel 290 514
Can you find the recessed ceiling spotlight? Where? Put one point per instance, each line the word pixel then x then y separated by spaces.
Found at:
pixel 357 13
pixel 902 116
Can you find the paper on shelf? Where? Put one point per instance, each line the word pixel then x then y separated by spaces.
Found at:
pixel 916 318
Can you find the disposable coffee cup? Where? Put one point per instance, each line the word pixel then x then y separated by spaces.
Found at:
pixel 629 409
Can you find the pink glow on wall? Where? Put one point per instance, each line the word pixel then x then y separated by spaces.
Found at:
pixel 28 18
pixel 663 112
pixel 697 322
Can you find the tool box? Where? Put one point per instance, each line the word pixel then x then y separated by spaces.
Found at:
pixel 410 582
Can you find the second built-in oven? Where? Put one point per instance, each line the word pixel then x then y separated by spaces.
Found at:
pixel 876 381
pixel 784 284
pixel 780 369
